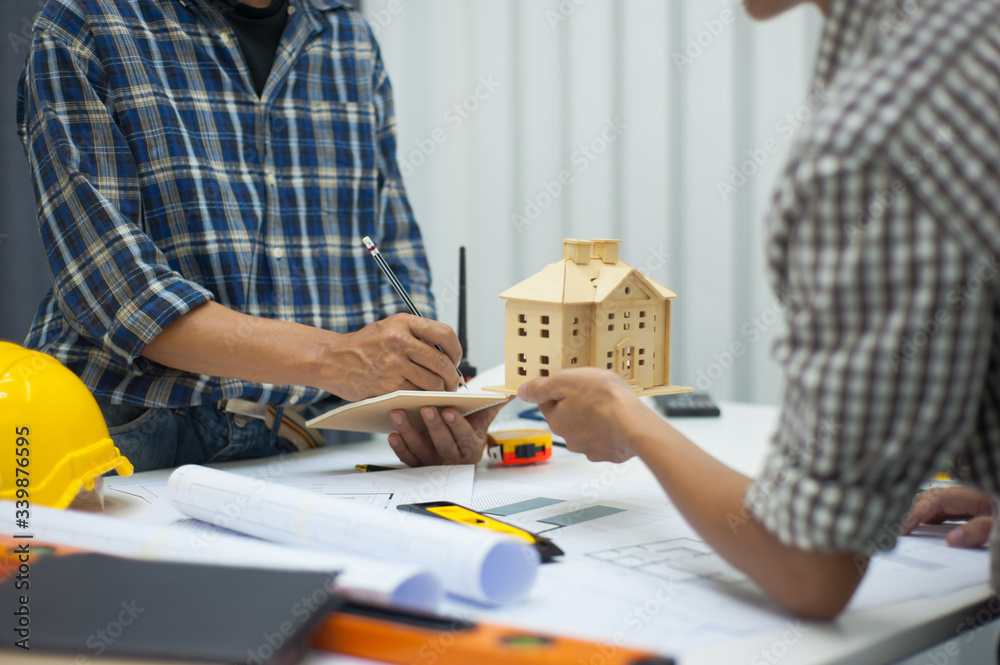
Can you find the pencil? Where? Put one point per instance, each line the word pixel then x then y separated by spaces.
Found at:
pixel 398 286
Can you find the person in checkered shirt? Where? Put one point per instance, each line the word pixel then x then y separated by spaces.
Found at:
pixel 205 171
pixel 883 241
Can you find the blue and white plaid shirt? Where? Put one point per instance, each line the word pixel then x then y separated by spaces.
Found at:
pixel 163 181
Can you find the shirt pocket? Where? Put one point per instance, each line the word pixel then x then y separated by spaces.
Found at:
pixel 346 164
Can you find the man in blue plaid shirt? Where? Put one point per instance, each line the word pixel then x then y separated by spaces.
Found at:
pixel 205 171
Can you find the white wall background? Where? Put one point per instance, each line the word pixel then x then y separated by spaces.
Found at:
pixel 538 81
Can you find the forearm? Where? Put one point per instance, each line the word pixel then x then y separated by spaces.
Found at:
pixel 215 340
pixel 397 353
pixel 710 497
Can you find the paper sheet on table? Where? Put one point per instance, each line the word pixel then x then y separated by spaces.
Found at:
pixel 472 563
pixel 635 572
pixel 330 473
pixel 195 542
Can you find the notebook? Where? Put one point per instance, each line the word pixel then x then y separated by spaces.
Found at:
pixel 372 415
pixel 104 607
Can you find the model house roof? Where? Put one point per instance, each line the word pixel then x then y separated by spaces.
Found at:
pixel 588 273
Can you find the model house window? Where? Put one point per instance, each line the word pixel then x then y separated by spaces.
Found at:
pixel 522 371
pixel 521 318
pixel 642 324
pixel 611 327
pixel 544 372
pixel 611 316
pixel 641 362
pixel 545 320
pixel 522 358
pixel 572 361
pixel 576 320
pixel 610 354
pixel 642 351
pixel 575 332
pixel 544 360
pixel 609 365
pixel 545 333
pixel 523 332
pixel 626 326
pixel 628 313
pixel 642 313
pixel 627 290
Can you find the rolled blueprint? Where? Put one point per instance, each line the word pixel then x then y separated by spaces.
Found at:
pixel 472 563
pixel 361 578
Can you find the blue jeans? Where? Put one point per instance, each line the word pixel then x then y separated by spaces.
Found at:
pixel 154 438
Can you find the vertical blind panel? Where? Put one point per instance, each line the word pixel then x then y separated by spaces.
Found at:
pixel 609 118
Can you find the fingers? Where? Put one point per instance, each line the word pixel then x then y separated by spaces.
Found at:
pixel 972 534
pixel 449 438
pixel 402 452
pixel 409 444
pixel 455 439
pixel 536 391
pixel 434 332
pixel 939 503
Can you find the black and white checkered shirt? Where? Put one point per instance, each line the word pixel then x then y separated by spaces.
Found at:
pixel 884 241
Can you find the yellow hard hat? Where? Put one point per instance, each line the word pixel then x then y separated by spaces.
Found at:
pixel 54 438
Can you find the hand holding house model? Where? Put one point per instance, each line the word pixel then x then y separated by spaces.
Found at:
pixel 589 310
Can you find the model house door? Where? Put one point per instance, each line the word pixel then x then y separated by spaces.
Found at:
pixel 625 359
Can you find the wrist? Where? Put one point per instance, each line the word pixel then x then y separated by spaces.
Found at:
pixel 325 355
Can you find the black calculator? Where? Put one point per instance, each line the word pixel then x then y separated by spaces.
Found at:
pixel 687 405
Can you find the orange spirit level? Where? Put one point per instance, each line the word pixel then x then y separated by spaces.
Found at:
pixel 397 636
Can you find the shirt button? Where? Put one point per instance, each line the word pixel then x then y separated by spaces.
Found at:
pixel 278 253
pixel 270 179
pixel 294 398
pixel 226 39
pixel 291 9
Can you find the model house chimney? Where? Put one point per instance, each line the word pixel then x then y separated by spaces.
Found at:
pixel 606 250
pixel 577 250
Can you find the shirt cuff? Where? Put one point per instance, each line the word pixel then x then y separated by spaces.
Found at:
pixel 824 515
pixel 147 313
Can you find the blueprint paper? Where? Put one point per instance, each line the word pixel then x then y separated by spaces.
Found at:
pixel 472 563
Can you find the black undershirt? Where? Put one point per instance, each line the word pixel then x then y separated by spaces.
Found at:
pixel 258 31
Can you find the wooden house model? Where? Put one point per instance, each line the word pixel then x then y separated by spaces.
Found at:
pixel 589 309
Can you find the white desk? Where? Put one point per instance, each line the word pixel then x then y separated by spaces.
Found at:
pixel 880 635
